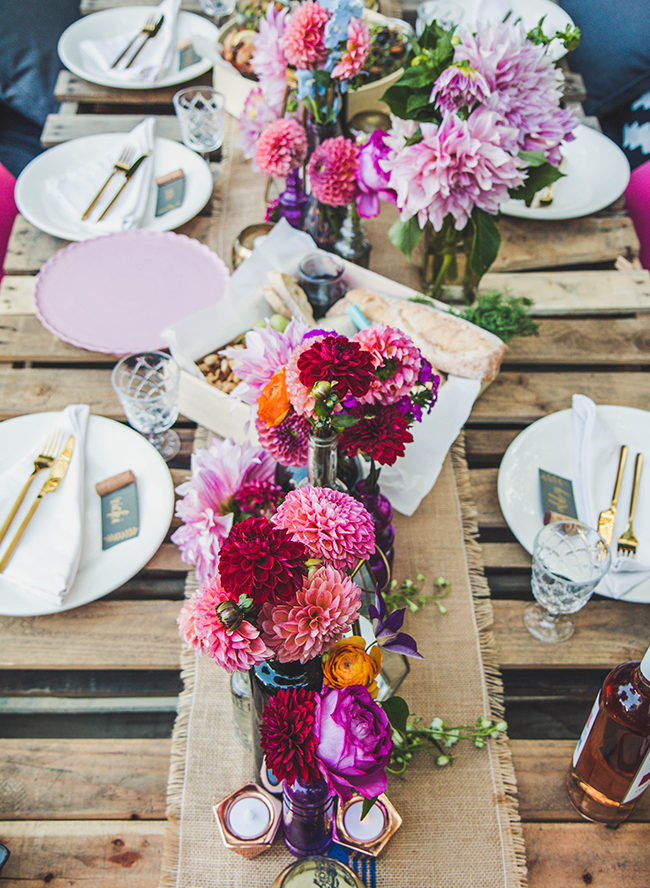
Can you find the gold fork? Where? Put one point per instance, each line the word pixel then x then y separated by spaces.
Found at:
pixel 151 26
pixel 44 460
pixel 121 165
pixel 627 542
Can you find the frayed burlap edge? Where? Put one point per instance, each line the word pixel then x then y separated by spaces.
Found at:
pixel 485 620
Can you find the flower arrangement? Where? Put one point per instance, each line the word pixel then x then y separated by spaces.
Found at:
pixel 369 389
pixel 477 119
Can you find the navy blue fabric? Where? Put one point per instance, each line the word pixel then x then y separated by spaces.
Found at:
pixel 614 53
pixel 29 66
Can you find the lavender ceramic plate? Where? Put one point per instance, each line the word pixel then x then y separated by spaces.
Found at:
pixel 116 293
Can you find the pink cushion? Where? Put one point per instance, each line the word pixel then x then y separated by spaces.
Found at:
pixel 8 211
pixel 637 200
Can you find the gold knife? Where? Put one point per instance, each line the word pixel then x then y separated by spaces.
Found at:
pixel 128 175
pixel 57 473
pixel 606 519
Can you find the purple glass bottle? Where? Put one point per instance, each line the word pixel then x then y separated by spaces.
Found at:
pixel 307 818
pixel 381 513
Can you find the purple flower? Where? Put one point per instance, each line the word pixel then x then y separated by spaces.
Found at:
pixel 371 178
pixel 524 86
pixel 257 114
pixel 458 165
pixel 353 737
pixel 457 86
pixel 386 629
pixel 269 62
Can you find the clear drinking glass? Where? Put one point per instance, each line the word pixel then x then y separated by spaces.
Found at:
pixel 201 112
pixel 217 8
pixel 147 386
pixel 569 560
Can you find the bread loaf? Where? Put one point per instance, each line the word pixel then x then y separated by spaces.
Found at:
pixel 451 344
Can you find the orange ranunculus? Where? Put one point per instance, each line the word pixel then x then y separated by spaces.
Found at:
pixel 274 403
pixel 348 663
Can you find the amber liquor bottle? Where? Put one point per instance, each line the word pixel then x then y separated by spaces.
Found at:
pixel 611 763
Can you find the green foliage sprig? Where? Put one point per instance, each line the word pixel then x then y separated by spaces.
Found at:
pixel 505 318
pixel 411 595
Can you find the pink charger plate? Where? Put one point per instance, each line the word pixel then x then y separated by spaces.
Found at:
pixel 116 293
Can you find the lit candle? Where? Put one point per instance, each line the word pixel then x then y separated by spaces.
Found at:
pixel 368 829
pixel 248 817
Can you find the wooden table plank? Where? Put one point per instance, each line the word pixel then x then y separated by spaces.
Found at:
pixel 63 127
pixel 71 88
pixel 607 341
pixel 76 854
pixel 108 779
pixel 34 390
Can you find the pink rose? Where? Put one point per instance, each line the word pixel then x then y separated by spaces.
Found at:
pixel 353 737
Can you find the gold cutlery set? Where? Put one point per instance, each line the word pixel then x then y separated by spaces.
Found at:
pixel 627 543
pixel 149 29
pixel 46 458
pixel 124 164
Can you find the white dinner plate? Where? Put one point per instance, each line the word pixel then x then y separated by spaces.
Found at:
pixel 110 448
pixel 124 20
pixel 596 173
pixel 548 444
pixel 38 207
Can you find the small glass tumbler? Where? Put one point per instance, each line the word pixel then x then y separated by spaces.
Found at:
pixel 321 277
pixel 147 386
pixel 240 695
pixel 201 112
pixel 569 560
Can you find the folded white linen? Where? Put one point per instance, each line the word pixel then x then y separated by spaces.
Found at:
pixel 46 560
pixel 152 62
pixel 595 460
pixel 74 190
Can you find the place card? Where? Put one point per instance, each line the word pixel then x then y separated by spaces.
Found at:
pixel 120 514
pixel 187 55
pixel 557 497
pixel 171 192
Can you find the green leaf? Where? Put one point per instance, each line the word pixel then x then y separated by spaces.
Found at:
pixel 538 178
pixel 533 158
pixel 397 712
pixel 485 243
pixel 505 318
pixel 406 235
pixel 366 807
pixel 342 421
pixel 418 100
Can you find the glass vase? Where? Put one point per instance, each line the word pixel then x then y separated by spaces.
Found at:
pixel 292 201
pixel 381 512
pixel 320 221
pixel 352 244
pixel 446 272
pixel 322 460
pixel 307 818
pixel 272 676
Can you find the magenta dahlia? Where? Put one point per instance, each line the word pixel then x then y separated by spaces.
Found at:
pixel 287 443
pixel 199 625
pixel 259 497
pixel 332 171
pixel 381 434
pixel 287 736
pixel 337 359
pixel 397 363
pixel 281 147
pixel 303 36
pixel 261 560
pixel 330 524
pixel 321 613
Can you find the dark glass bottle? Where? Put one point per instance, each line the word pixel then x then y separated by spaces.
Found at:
pixel 307 818
pixel 611 763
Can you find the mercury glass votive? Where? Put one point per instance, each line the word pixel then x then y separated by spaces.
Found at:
pixel 245 241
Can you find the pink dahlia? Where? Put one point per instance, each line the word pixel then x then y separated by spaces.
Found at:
pixel 525 86
pixel 281 148
pixel 269 63
pixel 458 86
pixel 330 524
pixel 208 499
pixel 303 36
pixel 397 363
pixel 458 165
pixel 332 171
pixel 287 442
pixel 199 625
pixel 267 351
pixel 354 56
pixel 302 400
pixel 323 611
pixel 257 114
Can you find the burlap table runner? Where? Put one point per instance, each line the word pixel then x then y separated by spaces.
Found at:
pixel 461 828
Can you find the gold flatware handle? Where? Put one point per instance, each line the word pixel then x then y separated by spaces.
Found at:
pixel 127 178
pixel 149 35
pixel 12 514
pixel 638 465
pixel 21 530
pixel 619 475
pixel 93 202
pixel 125 50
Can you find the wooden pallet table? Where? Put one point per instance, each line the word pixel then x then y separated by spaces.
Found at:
pixel 87 697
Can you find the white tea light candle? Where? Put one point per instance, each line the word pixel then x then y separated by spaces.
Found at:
pixel 248 817
pixel 368 829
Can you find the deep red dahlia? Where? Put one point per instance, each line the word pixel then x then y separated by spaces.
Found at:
pixel 258 497
pixel 337 359
pixel 287 736
pixel 381 433
pixel 261 561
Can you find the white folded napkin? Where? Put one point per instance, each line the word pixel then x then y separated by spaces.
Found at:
pixel 595 460
pixel 151 63
pixel 46 560
pixel 74 191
